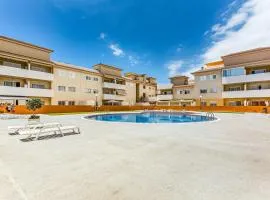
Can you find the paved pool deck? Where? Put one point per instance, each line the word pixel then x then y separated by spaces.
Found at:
pixel 224 160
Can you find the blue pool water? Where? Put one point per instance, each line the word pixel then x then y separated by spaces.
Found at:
pixel 151 117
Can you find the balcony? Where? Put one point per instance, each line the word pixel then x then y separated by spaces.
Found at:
pixel 246 78
pixel 114 86
pixel 246 94
pixel 165 97
pixel 152 99
pixel 113 97
pixel 25 92
pixel 25 73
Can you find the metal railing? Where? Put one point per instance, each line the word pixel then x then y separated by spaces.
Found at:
pixel 210 115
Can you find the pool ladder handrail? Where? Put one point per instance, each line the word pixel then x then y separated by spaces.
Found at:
pixel 210 115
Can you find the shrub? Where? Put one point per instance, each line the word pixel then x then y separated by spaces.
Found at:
pixel 33 105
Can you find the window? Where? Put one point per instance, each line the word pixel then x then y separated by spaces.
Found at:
pixel 62 88
pixel 12 84
pixel 235 88
pixel 95 79
pixel 11 64
pixel 180 91
pixel 39 68
pixel 258 71
pixel 39 86
pixel 234 72
pixel 8 83
pixel 213 90
pixel 202 78
pixel 95 91
pixel 72 89
pixel 71 75
pixel 186 92
pixel 88 78
pixel 213 77
pixel 203 103
pixel 235 103
pixel 203 91
pixel 61 103
pixel 61 73
pixel 144 87
pixel 88 90
pixel 213 103
pixel 71 103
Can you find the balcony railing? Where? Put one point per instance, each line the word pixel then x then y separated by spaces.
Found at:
pixel 152 99
pixel 114 86
pixel 113 97
pixel 246 78
pixel 165 97
pixel 246 93
pixel 25 92
pixel 25 73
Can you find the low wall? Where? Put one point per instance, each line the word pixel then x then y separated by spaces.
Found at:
pixel 72 109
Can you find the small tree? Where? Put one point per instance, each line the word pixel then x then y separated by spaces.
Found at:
pixel 33 105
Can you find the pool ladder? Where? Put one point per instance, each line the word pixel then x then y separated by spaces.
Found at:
pixel 210 115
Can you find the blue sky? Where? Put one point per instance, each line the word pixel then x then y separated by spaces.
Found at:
pixel 158 37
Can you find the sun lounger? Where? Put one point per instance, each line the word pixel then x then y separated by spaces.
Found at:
pixel 16 129
pixel 48 129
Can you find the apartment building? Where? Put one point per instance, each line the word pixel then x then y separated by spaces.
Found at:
pixel 183 91
pixel 116 89
pixel 164 94
pixel 208 84
pixel 179 93
pixel 146 87
pixel 246 78
pixel 75 85
pixel 26 71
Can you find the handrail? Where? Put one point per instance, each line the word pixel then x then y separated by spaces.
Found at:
pixel 210 115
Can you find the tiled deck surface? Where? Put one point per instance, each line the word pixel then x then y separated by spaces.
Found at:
pixel 224 160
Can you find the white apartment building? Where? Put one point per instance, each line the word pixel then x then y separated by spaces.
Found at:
pixel 246 78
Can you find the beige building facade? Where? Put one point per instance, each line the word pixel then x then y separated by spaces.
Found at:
pixel 208 85
pixel 27 71
pixel 246 78
pixel 116 88
pixel 146 87
pixel 179 93
pixel 74 85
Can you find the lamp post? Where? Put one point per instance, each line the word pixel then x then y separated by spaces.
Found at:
pixel 200 102
pixel 96 103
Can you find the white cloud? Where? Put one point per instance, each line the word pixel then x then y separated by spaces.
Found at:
pixel 237 19
pixel 102 36
pixel 247 28
pixel 173 66
pixel 133 60
pixel 116 50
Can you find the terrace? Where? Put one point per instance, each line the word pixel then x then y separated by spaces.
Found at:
pixel 226 159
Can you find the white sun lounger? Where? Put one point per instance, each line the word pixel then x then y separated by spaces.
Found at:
pixel 48 129
pixel 16 129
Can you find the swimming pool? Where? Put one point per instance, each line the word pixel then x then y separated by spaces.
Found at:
pixel 151 117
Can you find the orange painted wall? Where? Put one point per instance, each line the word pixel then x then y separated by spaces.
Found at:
pixel 70 109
